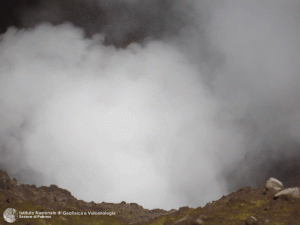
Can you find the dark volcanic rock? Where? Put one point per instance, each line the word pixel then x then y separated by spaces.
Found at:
pixel 246 206
pixel 55 198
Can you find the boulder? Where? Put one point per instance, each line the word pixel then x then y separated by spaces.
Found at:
pixel 251 220
pixel 273 183
pixel 292 193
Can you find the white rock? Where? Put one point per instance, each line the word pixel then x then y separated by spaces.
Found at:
pixel 253 218
pixel 198 221
pixel 273 183
pixel 289 192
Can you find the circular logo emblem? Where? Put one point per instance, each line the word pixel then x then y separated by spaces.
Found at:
pixel 10 215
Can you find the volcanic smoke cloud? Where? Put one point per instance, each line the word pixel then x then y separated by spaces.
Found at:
pixel 162 103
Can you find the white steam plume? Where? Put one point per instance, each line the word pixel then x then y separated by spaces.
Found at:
pixel 163 122
pixel 111 124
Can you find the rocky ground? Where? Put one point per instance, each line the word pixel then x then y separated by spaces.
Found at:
pixel 271 204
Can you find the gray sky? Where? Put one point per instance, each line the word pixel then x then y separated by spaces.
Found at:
pixel 162 103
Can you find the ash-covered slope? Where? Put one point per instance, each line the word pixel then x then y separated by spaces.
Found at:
pixel 272 204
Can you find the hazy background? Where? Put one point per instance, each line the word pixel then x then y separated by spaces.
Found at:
pixel 159 102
